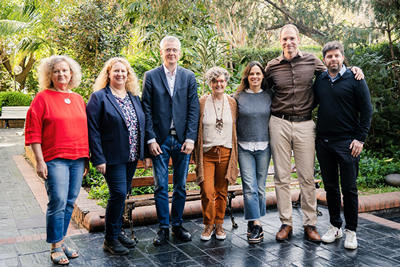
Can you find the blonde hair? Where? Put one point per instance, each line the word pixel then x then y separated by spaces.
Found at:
pixel 214 73
pixel 46 68
pixel 132 82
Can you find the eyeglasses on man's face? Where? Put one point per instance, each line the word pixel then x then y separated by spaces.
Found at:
pixel 171 50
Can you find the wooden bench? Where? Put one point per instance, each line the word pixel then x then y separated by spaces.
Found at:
pixel 148 199
pixel 13 113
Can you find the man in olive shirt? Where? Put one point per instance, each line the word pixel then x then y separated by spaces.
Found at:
pixel 291 128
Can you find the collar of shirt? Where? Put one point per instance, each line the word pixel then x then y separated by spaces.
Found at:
pixel 340 73
pixel 282 57
pixel 168 73
pixel 248 90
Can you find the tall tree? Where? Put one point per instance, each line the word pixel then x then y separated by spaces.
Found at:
pixel 18 43
pixel 92 33
pixel 387 16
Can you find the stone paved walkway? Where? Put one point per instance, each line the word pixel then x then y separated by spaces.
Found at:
pixel 22 231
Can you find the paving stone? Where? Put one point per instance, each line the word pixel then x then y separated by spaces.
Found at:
pixel 169 259
pixel 10 262
pixel 31 222
pixel 8 251
pixel 32 247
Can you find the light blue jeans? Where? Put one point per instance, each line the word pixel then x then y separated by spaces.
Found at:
pixel 254 171
pixel 64 180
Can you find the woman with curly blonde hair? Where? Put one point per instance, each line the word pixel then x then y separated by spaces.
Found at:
pixel 56 129
pixel 116 137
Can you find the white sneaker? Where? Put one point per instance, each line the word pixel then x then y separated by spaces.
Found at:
pixel 207 233
pixel 219 232
pixel 351 239
pixel 332 234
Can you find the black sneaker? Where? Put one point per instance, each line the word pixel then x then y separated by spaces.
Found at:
pixel 250 225
pixel 126 241
pixel 257 235
pixel 115 247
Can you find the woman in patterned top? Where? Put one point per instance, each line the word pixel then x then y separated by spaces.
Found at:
pixel 116 139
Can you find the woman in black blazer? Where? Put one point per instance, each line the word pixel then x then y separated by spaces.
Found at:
pixel 116 125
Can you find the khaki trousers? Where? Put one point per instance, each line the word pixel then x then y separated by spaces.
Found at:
pixel 300 137
pixel 214 188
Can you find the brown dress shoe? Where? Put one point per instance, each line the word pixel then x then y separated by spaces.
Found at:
pixel 284 232
pixel 310 232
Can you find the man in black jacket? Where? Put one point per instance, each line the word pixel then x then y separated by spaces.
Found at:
pixel 344 118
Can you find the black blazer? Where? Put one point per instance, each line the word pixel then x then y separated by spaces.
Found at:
pixel 108 133
pixel 160 108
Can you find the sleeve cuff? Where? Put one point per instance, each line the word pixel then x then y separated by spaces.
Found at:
pixel 152 140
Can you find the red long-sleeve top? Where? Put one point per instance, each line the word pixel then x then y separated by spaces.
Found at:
pixel 59 127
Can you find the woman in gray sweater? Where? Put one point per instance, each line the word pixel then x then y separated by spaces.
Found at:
pixel 254 101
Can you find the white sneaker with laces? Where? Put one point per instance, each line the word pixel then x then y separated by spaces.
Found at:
pixel 332 234
pixel 207 233
pixel 351 239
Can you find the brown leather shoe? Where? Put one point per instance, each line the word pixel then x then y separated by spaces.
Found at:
pixel 284 232
pixel 310 232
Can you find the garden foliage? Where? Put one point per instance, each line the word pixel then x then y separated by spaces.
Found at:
pixel 14 99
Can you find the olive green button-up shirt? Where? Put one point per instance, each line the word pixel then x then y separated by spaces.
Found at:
pixel 292 83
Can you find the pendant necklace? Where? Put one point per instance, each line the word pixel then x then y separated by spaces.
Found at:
pixel 219 123
pixel 68 100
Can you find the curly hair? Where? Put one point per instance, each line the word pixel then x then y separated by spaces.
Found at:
pixel 132 82
pixel 244 84
pixel 46 68
pixel 214 73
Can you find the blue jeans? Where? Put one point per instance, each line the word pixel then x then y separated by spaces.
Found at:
pixel 254 171
pixel 119 180
pixel 180 162
pixel 63 183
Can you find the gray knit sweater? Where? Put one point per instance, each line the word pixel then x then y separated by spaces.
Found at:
pixel 253 118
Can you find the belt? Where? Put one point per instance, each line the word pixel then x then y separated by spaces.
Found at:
pixel 172 132
pixel 291 118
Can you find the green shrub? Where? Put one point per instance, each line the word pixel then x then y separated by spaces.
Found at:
pixel 14 99
pixel 376 63
pixel 373 169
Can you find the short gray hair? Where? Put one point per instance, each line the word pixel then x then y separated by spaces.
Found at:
pixel 46 67
pixel 214 73
pixel 170 38
pixel 332 46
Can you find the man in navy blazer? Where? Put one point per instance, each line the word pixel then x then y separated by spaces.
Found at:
pixel 171 107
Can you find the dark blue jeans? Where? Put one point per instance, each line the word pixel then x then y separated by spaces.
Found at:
pixel 333 155
pixel 63 184
pixel 119 179
pixel 180 162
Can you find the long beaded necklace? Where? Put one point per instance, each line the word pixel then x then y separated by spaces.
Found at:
pixel 219 123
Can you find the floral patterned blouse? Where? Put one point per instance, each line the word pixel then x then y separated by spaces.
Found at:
pixel 132 123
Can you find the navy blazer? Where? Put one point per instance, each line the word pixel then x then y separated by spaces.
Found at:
pixel 160 108
pixel 108 133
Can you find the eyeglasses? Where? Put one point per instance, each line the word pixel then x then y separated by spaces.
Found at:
pixel 218 81
pixel 173 50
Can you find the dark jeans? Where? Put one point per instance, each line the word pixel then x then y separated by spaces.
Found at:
pixel 333 155
pixel 180 162
pixel 119 179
